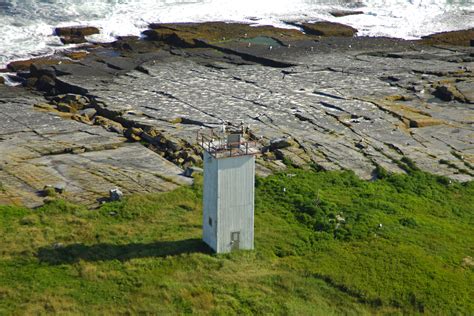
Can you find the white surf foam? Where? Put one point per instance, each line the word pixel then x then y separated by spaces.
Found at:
pixel 26 27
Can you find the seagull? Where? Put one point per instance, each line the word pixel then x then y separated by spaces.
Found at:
pixel 270 48
pixel 249 45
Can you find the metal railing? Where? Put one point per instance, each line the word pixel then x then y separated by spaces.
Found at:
pixel 218 146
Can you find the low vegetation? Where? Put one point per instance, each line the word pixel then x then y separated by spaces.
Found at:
pixel 326 243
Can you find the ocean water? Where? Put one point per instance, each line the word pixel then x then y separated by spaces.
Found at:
pixel 26 26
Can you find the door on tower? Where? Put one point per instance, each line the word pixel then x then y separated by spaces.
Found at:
pixel 234 240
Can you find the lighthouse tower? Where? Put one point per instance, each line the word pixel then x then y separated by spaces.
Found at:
pixel 229 186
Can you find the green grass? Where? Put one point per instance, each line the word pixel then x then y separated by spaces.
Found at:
pixel 327 244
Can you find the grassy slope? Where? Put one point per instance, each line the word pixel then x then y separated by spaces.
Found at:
pixel 144 254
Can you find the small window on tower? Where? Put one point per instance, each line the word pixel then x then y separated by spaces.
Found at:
pixel 210 221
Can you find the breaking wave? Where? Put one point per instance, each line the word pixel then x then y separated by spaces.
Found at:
pixel 26 26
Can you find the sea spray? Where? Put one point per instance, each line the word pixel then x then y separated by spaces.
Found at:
pixel 26 27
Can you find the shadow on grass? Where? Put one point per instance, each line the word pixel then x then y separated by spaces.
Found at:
pixel 75 252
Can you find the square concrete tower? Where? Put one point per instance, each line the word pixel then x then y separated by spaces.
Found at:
pixel 228 199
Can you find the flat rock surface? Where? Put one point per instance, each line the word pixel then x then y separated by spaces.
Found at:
pixel 346 103
pixel 40 149
pixel 346 110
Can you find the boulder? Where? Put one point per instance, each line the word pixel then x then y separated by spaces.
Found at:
pixel 48 191
pixel 60 188
pixel 76 55
pixel 73 39
pixel 448 92
pixel 57 245
pixel 341 13
pixel 194 159
pixel 66 98
pixel 89 113
pixel 424 122
pixel 76 100
pixel 133 133
pixel 192 170
pixel 64 107
pixel 76 31
pixel 328 29
pixel 80 119
pixel 108 124
pixel 340 219
pixel 20 65
pixel 128 44
pixel 75 35
pixel 38 70
pixel 467 262
pixel 197 34
pixel 173 145
pixel 115 194
pixel 45 83
pixel 460 38
pixel 279 143
pixel 2 80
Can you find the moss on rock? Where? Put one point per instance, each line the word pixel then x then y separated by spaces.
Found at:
pixel 76 31
pixel 22 65
pixel 329 29
pixel 193 34
pixel 460 38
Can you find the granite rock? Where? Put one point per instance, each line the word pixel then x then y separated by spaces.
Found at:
pixel 41 148
pixel 344 102
pixel 328 29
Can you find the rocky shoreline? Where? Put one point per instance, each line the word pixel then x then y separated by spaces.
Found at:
pixel 126 114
